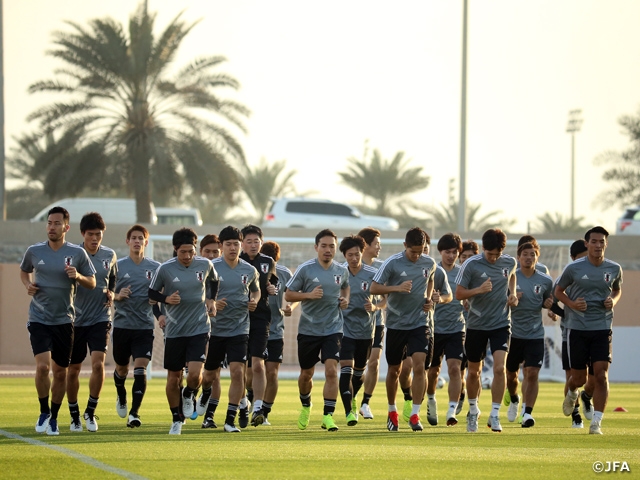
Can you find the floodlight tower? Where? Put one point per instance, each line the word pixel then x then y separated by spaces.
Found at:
pixel 573 126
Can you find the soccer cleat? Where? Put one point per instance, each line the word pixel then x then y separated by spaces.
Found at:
pixel 90 421
pixel 594 428
pixel 576 421
pixel 472 423
pixel 460 402
pixel 266 422
pixel 187 406
pixel 451 419
pixel 201 405
pixel 209 423
pixel 257 418
pixel 303 418
pixel 494 424
pixel 392 422
pixel 406 410
pixel 52 428
pixel 354 406
pixel 365 411
pixel 512 412
pixel 121 408
pixel 519 420
pixel 76 425
pixel 231 428
pixel 507 398
pixel 243 415
pixel 569 402
pixel 352 420
pixel 528 421
pixel 587 409
pixel 43 422
pixel 432 412
pixel 176 428
pixel 328 423
pixel 414 423
pixel 133 421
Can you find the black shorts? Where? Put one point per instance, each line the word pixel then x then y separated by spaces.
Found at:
pixel 404 343
pixel 565 359
pixel 234 348
pixel 181 350
pixel 312 349
pixel 475 345
pixel 378 337
pixel 129 343
pixel 587 347
pixel 449 344
pixel 258 338
pixel 95 336
pixel 275 349
pixel 530 351
pixel 57 339
pixel 357 350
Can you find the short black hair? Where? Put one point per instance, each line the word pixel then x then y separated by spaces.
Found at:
pixel 528 239
pixel 450 240
pixel 597 229
pixel 470 245
pixel 415 237
pixel 325 233
pixel 271 249
pixel 62 210
pixel 138 228
pixel 230 233
pixel 209 239
pixel 493 239
pixel 369 234
pixel 527 246
pixel 577 247
pixel 92 221
pixel 250 229
pixel 351 241
pixel 184 236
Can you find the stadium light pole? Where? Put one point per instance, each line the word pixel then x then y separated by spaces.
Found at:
pixel 3 193
pixel 573 126
pixel 462 187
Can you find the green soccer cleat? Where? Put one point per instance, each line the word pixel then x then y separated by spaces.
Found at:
pixel 303 418
pixel 352 420
pixel 507 398
pixel 406 410
pixel 328 423
pixel 354 407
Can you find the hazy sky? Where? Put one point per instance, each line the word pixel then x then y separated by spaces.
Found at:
pixel 321 77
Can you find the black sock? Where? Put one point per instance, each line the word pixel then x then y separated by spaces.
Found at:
pixel 139 387
pixel 176 414
pixel 528 409
pixel 346 373
pixel 514 398
pixel 211 407
pixel 250 394
pixel 329 406
pixel 55 408
pixel 266 408
pixel 356 381
pixel 44 404
pixel 305 399
pixel 407 393
pixel 586 396
pixel 187 392
pixel 92 403
pixel 576 412
pixel 74 410
pixel 206 394
pixel 232 409
pixel 366 398
pixel 119 383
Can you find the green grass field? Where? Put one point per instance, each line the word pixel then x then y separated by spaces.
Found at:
pixel 552 449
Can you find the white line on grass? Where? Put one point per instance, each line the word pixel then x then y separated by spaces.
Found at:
pixel 78 456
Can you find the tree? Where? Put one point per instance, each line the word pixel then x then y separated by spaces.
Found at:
pixel 264 181
pixel 623 174
pixel 385 182
pixel 556 223
pixel 137 126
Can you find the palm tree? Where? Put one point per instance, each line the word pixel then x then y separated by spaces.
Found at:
pixel 446 218
pixel 138 126
pixel 385 182
pixel 266 181
pixel 556 223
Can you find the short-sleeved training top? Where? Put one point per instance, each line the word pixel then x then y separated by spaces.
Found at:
pixel 440 283
pixel 404 310
pixel 90 304
pixel 266 268
pixel 526 317
pixel 378 314
pixel 190 316
pixel 449 317
pixel 323 316
pixel 594 284
pixel 135 312
pixel 53 303
pixel 235 287
pixel 276 329
pixel 488 311
pixel 358 323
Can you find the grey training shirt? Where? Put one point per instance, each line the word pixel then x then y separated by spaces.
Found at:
pixel 449 317
pixel 276 329
pixel 526 317
pixel 358 323
pixel 91 305
pixel 135 312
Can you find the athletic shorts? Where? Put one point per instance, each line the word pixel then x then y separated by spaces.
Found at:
pixel 378 337
pixel 404 343
pixel 475 344
pixel 275 349
pixel 357 350
pixel 234 348
pixel 449 344
pixel 129 343
pixel 312 349
pixel 258 338
pixel 57 339
pixel 530 351
pixel 95 336
pixel 565 359
pixel 181 350
pixel 588 347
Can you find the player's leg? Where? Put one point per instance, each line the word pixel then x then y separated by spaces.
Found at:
pixel 454 388
pixel 373 372
pixel 308 355
pixel 275 349
pixel 405 382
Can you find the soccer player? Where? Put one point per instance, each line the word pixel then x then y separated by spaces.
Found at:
pixel 238 295
pixel 321 285
pixel 92 326
pixel 186 284
pixel 488 282
pixel 275 345
pixel 51 271
pixel 449 332
pixel 133 323
pixel 407 277
pixel 359 325
pixel 210 246
pixel 370 255
pixel 596 287
pixel 531 239
pixel 260 319
pixel 534 291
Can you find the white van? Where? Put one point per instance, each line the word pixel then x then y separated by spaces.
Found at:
pixel 178 216
pixel 113 210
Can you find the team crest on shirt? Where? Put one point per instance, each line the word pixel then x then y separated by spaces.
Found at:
pixel 537 289
pixel 244 279
pixel 68 261
pixel 505 272
pixel 278 285
pixel 148 274
pixel 607 277
pixel 106 264
pixel 425 273
pixel 200 275
pixel 337 279
pixel 365 285
pixel 264 267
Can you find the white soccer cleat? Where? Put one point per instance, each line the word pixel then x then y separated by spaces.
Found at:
pixel 266 422
pixel 176 428
pixel 231 428
pixel 594 428
pixel 76 425
pixel 52 428
pixel 187 406
pixel 512 412
pixel 494 424
pixel 90 421
pixel 528 421
pixel 201 407
pixel 121 408
pixel 365 411
pixel 587 407
pixel 43 422
pixel 569 402
pixel 432 412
